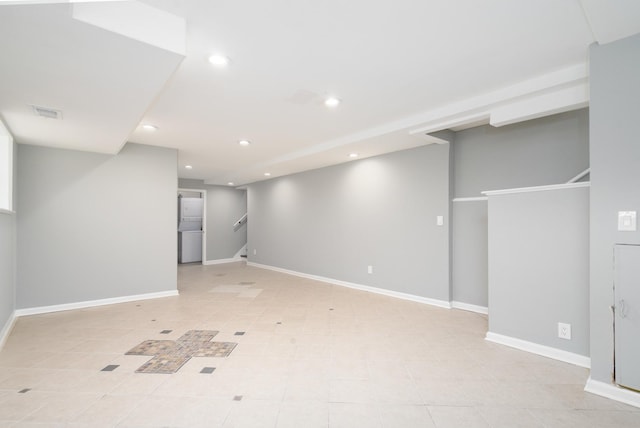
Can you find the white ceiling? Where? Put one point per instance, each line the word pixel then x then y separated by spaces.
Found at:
pixel 402 68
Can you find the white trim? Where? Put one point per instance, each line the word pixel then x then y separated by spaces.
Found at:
pixel 241 221
pixel 390 293
pixel 8 212
pixel 458 120
pixel 474 199
pixel 531 107
pixel 240 252
pixel 222 261
pixel 537 188
pixel 469 307
pixel 545 351
pixel 614 392
pixel 575 76
pixel 92 303
pixel 579 176
pixel 6 330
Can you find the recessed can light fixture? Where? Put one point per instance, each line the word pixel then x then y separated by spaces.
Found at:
pixel 230 183
pixel 244 142
pixel 188 167
pixel 353 155
pixel 267 174
pixel 332 102
pixel 149 127
pixel 219 60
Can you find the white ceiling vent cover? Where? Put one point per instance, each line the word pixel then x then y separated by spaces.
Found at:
pixel 49 113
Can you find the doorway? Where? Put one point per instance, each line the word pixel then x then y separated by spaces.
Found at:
pixel 191 226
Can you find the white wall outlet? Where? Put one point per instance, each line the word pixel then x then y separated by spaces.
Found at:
pixel 440 220
pixel 564 331
pixel 255 251
pixel 369 269
pixel 627 221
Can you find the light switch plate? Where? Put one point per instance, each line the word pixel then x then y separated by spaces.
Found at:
pixel 627 221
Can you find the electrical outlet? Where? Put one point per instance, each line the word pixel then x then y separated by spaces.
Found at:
pixel 369 269
pixel 564 331
pixel 255 251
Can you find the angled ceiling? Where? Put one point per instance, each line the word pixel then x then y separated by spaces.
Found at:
pixel 402 69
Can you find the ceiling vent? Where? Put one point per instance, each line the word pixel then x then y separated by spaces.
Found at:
pixel 49 113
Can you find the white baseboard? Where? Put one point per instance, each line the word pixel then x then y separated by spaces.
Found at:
pixel 614 392
pixel 92 303
pixel 545 351
pixel 396 294
pixel 469 307
pixel 6 330
pixel 222 261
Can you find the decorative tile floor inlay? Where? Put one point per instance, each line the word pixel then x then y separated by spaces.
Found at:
pixel 170 355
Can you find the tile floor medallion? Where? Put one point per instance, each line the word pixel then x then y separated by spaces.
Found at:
pixel 170 355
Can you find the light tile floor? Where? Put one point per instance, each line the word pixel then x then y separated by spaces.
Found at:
pixel 313 355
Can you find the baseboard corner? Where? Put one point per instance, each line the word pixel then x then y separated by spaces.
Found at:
pixel 469 307
pixel 613 392
pixel 7 328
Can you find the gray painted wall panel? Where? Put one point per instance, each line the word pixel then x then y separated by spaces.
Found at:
pixel 93 226
pixel 380 211
pixel 225 206
pixel 8 254
pixel 615 180
pixel 539 267
pixel 550 150
pixel 7 267
pixel 470 252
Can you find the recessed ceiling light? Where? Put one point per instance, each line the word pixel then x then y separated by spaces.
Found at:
pixel 244 142
pixel 332 102
pixel 267 174
pixel 353 155
pixel 219 60
pixel 188 167
pixel 230 183
pixel 149 127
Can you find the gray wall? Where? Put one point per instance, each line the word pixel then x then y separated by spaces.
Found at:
pixel 8 256
pixel 615 180
pixel 470 243
pixel 539 267
pixel 7 267
pixel 225 206
pixel 549 150
pixel 380 211
pixel 93 226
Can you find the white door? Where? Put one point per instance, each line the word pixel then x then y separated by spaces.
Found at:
pixel 627 315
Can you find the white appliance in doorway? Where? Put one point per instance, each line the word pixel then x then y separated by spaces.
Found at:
pixel 190 229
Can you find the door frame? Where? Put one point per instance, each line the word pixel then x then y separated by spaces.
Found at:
pixel 203 192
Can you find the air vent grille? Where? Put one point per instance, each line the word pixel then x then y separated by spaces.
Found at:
pixel 49 113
